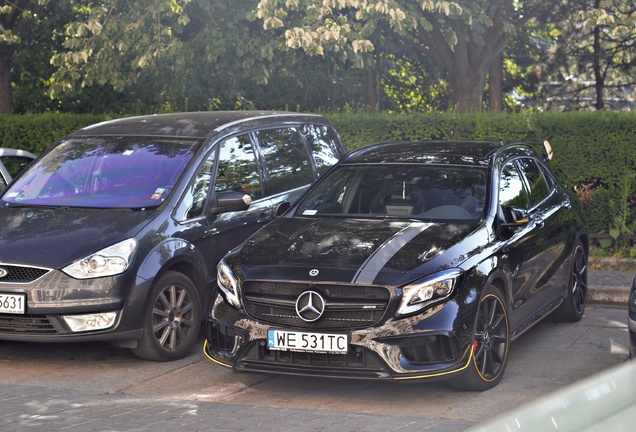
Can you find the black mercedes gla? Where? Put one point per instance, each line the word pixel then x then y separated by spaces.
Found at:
pixel 114 233
pixel 405 261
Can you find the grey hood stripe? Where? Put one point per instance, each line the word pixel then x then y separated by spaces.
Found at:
pixel 369 270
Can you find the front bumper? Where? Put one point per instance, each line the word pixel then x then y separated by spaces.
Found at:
pixel 433 345
pixel 53 295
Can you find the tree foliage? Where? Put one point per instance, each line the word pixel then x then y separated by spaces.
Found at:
pixel 465 36
pixel 398 55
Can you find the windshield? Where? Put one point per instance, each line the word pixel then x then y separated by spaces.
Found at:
pixel 113 172
pixel 429 192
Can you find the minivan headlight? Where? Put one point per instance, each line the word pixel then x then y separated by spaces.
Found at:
pixel 432 289
pixel 228 282
pixel 110 261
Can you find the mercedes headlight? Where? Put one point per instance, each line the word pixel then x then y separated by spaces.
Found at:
pixel 432 289
pixel 228 282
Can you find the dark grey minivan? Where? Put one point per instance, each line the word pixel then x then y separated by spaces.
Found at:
pixel 114 233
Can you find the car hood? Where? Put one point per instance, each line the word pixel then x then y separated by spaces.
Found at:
pixel 357 251
pixel 55 237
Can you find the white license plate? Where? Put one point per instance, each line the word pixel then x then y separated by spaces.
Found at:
pixel 12 303
pixel 284 340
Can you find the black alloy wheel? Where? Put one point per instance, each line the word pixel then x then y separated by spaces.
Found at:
pixel 172 321
pixel 573 307
pixel 490 346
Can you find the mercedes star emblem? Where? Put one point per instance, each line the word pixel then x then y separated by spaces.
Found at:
pixel 310 306
pixel 314 272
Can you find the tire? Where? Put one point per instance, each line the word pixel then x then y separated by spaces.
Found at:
pixel 172 320
pixel 573 307
pixel 491 341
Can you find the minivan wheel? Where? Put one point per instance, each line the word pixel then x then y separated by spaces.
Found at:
pixel 490 347
pixel 172 320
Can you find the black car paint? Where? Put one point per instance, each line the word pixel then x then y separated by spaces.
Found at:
pixel 55 237
pixel 534 279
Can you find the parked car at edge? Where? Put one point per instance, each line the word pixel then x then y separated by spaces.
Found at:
pixel 12 162
pixel 406 261
pixel 631 319
pixel 114 233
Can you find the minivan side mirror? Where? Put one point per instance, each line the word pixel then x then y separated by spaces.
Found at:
pixel 281 208
pixel 230 201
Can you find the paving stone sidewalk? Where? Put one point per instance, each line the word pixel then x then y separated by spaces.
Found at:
pixel 44 409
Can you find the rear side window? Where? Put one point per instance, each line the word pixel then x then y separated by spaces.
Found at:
pixel 538 186
pixel 288 163
pixel 324 143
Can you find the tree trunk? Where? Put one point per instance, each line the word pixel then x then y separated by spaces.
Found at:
pixel 468 87
pixel 599 79
pixel 495 84
pixel 371 89
pixel 6 93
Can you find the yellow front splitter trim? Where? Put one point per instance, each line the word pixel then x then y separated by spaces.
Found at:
pixel 440 374
pixel 205 352
pixel 433 375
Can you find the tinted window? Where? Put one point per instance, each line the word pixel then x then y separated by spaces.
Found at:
pixel 412 191
pixel 287 160
pixel 511 190
pixel 15 164
pixel 538 186
pixel 323 141
pixel 128 172
pixel 237 167
pixel 193 202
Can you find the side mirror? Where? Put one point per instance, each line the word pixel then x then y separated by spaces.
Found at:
pixel 231 201
pixel 547 155
pixel 281 208
pixel 515 217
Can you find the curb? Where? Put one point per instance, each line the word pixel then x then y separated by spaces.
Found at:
pixel 608 295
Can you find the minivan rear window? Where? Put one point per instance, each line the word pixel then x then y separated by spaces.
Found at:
pixel 111 172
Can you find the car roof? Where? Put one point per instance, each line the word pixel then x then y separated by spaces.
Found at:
pixel 478 153
pixel 192 124
pixel 4 151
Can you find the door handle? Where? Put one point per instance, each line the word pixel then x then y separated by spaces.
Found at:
pixel 263 218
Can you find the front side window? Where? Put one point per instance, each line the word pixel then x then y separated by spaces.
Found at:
pixel 323 141
pixel 511 190
pixel 238 170
pixel 427 192
pixel 287 160
pixel 109 172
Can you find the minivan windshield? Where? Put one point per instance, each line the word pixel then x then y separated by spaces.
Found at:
pixel 416 191
pixel 104 172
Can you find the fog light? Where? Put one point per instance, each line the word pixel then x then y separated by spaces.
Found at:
pixel 90 322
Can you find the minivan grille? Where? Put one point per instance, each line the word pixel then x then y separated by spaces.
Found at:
pixel 346 306
pixel 21 274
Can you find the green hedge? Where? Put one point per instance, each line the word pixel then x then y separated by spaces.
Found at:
pixel 36 132
pixel 595 152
